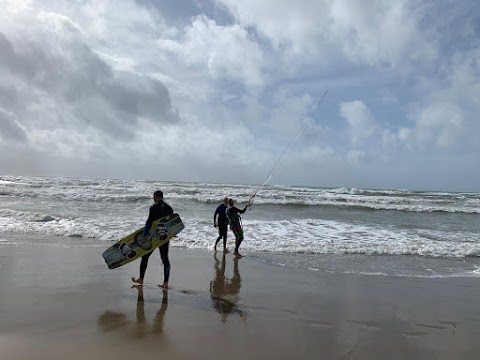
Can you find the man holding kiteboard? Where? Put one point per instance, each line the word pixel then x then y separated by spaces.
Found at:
pixel 158 210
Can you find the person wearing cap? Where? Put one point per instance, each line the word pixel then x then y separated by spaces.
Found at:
pixel 222 224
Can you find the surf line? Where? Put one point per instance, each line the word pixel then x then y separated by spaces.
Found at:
pixel 284 153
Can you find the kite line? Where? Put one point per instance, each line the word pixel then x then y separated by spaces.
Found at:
pixel 284 153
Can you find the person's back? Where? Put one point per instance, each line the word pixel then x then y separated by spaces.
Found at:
pixel 221 213
pixel 159 210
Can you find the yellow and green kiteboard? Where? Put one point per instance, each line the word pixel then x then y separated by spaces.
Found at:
pixel 134 246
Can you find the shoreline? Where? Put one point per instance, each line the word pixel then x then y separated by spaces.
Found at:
pixel 381 265
pixel 55 298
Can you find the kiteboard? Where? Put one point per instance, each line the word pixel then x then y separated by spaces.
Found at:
pixel 135 245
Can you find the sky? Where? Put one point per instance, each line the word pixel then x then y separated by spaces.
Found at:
pixel 338 93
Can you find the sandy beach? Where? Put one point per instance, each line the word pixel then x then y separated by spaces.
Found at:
pixel 64 303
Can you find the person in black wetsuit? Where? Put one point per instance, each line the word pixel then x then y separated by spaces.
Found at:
pixel 222 224
pixel 158 210
pixel 233 216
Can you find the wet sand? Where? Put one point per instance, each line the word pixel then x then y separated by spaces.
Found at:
pixel 64 303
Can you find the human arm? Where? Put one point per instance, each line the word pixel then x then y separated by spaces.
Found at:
pixel 215 217
pixel 148 223
pixel 234 210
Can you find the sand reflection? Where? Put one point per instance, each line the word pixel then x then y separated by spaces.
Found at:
pixel 224 291
pixel 140 328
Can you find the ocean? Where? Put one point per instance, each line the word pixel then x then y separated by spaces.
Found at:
pixel 338 230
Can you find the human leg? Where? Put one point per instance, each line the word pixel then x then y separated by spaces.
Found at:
pixel 223 234
pixel 143 268
pixel 216 242
pixel 221 231
pixel 238 231
pixel 166 264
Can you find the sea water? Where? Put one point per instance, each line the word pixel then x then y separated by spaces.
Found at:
pixel 348 230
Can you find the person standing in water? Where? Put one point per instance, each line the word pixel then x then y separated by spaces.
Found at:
pixel 235 221
pixel 222 224
pixel 158 210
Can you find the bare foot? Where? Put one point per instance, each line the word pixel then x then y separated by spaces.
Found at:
pixel 164 286
pixel 138 281
pixel 237 254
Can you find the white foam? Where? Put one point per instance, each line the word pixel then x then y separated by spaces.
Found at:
pixel 6 182
pixel 34 223
pixel 313 236
pixel 111 209
pixel 126 191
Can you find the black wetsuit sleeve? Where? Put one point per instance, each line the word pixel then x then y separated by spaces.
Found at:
pixel 237 210
pixel 148 223
pixel 150 216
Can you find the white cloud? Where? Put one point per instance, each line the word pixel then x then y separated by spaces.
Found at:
pixel 441 124
pixel 382 32
pixel 360 119
pixel 226 51
pixel 10 129
pixel 69 143
pixel 370 32
pixel 295 24
pixel 356 157
pixel 449 109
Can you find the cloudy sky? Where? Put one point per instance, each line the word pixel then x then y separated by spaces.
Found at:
pixel 217 90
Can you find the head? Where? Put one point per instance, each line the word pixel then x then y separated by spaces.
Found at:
pixel 225 200
pixel 230 202
pixel 157 196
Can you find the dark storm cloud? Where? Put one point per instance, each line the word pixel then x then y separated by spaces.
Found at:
pixel 32 64
pixel 10 129
pixel 6 49
pixel 80 87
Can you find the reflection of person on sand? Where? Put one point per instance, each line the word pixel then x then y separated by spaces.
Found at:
pixel 111 320
pixel 157 327
pixel 158 210
pixel 223 291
